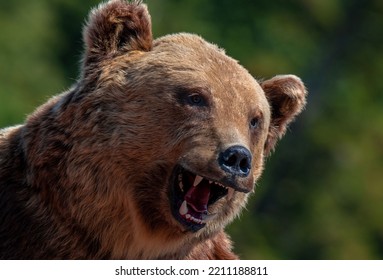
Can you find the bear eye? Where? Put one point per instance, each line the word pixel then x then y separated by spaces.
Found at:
pixel 195 99
pixel 254 123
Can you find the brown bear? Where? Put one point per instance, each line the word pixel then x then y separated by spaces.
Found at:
pixel 148 156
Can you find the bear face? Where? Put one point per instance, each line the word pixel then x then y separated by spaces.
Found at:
pixel 156 148
pixel 188 104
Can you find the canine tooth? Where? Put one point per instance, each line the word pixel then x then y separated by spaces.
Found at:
pixel 197 180
pixel 230 193
pixel 184 208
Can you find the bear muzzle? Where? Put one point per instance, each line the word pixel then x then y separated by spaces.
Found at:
pixel 192 195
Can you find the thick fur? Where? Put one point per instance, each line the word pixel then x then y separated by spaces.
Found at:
pixel 88 176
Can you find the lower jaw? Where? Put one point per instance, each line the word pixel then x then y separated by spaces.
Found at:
pixel 187 225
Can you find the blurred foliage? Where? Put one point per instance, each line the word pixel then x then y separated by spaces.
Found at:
pixel 322 192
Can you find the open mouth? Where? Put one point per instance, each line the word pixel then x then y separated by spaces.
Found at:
pixel 192 195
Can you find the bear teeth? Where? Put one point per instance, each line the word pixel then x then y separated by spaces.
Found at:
pixel 184 213
pixel 184 208
pixel 197 180
pixel 181 185
pixel 218 184
pixel 191 218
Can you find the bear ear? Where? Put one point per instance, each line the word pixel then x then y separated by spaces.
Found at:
pixel 286 95
pixel 116 27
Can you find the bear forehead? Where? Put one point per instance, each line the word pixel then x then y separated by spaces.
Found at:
pixel 198 61
pixel 193 52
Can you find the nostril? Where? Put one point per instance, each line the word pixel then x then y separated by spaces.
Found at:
pixel 231 161
pixel 244 165
pixel 236 160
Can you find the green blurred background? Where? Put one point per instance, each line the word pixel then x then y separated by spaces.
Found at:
pixel 321 196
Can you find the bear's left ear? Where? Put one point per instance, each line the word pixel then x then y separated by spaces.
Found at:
pixel 286 95
pixel 116 27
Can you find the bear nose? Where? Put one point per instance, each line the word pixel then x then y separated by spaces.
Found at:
pixel 236 160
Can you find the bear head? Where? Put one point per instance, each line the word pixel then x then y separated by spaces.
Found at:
pixel 171 134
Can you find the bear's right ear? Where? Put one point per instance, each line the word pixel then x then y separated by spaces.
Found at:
pixel 116 27
pixel 287 97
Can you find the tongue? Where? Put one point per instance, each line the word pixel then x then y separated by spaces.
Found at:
pixel 198 196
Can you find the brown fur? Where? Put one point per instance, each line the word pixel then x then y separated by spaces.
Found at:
pixel 88 176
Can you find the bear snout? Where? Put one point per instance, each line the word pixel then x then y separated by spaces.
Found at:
pixel 235 160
